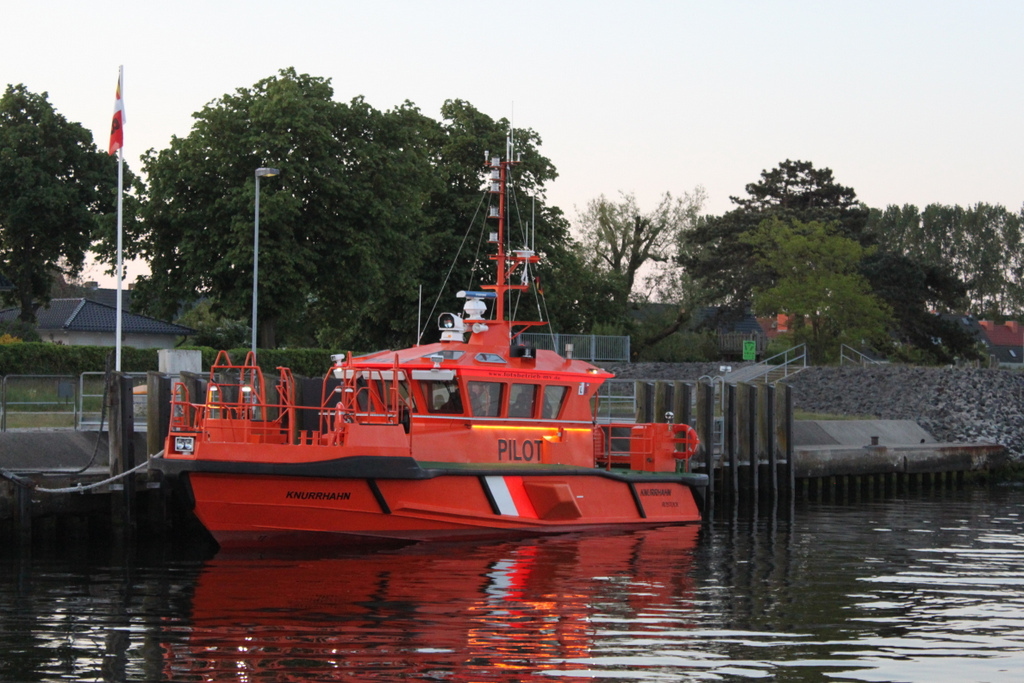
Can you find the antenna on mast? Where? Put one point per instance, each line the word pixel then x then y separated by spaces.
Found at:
pixel 511 139
pixel 533 223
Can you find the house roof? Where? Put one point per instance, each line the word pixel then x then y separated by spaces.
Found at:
pixel 83 315
pixel 712 316
pixel 1008 334
pixel 108 296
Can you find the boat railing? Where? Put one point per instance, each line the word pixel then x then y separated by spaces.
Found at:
pixel 231 414
pixel 648 447
pixel 614 444
pixel 236 409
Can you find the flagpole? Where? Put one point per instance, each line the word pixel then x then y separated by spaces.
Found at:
pixel 120 194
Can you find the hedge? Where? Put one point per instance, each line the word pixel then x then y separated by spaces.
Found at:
pixel 44 358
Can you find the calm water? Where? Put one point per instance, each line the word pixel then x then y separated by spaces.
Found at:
pixel 929 588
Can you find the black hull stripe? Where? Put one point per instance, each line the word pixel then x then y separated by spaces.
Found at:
pixel 391 467
pixel 384 507
pixel 639 503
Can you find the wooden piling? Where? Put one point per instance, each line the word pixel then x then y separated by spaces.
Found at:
pixel 682 404
pixel 731 450
pixel 706 432
pixel 753 457
pixel 660 402
pixel 771 440
pixel 122 453
pixel 789 472
pixel 158 409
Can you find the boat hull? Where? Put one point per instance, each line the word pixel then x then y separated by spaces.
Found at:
pixel 245 510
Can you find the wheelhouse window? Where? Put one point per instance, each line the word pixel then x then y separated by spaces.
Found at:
pixel 521 400
pixel 554 396
pixel 485 398
pixel 375 395
pixel 443 396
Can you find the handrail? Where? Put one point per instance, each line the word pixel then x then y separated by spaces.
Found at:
pixel 792 357
pixel 801 348
pixel 859 358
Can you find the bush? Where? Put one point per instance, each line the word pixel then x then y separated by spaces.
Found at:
pixel 683 347
pixel 21 330
pixel 43 358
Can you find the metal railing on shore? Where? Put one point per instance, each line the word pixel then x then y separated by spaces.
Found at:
pixel 850 355
pixel 60 401
pixel 589 347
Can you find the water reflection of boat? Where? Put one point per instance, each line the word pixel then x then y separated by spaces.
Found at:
pixel 463 438
pixel 509 611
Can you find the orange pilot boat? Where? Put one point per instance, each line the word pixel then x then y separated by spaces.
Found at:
pixel 464 438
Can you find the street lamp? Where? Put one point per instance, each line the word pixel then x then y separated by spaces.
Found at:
pixel 261 172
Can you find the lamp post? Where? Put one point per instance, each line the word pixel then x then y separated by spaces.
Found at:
pixel 261 172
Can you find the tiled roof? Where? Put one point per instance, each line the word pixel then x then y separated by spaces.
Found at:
pixel 108 296
pixel 1007 334
pixel 83 315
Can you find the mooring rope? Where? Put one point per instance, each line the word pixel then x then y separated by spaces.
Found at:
pixel 77 488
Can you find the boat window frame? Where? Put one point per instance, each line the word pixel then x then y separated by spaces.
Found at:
pixel 487 404
pixel 513 399
pixel 452 406
pixel 561 402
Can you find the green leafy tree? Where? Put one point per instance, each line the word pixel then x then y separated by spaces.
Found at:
pixel 979 245
pixel 620 239
pixel 636 254
pixel 817 285
pixel 723 264
pixel 214 331
pixel 57 190
pixel 339 229
pixel 915 292
pixel 369 207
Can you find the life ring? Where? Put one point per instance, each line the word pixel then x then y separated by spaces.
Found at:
pixel 686 436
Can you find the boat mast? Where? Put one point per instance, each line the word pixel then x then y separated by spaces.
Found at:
pixel 498 185
pixel 507 260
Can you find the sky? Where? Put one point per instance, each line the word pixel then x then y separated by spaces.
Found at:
pixel 908 102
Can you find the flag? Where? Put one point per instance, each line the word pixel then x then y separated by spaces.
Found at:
pixel 117 126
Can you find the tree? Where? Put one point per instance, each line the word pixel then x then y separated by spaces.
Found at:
pixel 724 265
pixel 618 238
pixel 817 285
pixel 980 245
pixel 635 255
pixel 369 206
pixel 915 292
pixel 339 229
pixel 57 187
